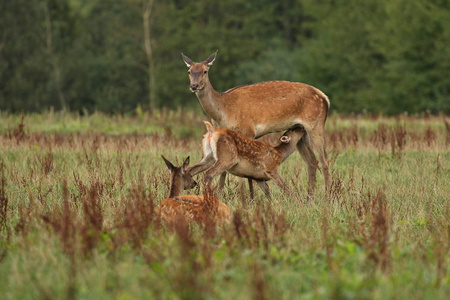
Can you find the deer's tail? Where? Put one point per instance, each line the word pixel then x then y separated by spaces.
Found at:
pixel 209 127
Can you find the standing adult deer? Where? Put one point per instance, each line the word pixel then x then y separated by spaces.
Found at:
pixel 258 109
pixel 227 150
pixel 189 207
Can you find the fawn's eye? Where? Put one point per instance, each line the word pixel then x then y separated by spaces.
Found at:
pixel 189 72
pixel 204 72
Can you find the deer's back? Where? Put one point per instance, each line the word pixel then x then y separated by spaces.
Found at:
pixel 274 106
pixel 187 207
pixel 191 208
pixel 273 92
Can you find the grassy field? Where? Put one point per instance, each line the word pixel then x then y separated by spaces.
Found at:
pixel 77 200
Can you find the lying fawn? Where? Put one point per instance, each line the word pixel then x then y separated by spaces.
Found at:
pixel 228 150
pixel 189 207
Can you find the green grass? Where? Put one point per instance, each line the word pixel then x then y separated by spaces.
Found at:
pixel 78 222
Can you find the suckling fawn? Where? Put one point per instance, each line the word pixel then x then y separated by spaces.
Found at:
pixel 228 150
pixel 189 207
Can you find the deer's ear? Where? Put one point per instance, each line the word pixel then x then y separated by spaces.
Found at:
pixel 285 139
pixel 186 163
pixel 211 59
pixel 169 165
pixel 187 60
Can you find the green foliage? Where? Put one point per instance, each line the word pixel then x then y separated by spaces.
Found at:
pixel 375 56
pixel 380 56
pixel 414 56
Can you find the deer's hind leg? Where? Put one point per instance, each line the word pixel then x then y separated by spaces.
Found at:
pixel 320 148
pixel 202 165
pixel 222 179
pixel 219 167
pixel 317 143
pixel 307 153
pixel 226 158
pixel 222 184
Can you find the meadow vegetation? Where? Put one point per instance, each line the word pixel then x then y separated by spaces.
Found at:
pixel 78 196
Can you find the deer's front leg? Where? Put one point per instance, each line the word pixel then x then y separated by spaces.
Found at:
pixel 279 181
pixel 264 187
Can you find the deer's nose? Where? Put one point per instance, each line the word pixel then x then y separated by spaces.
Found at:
pixel 194 86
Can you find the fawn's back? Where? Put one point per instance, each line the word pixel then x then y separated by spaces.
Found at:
pixel 193 208
pixel 249 158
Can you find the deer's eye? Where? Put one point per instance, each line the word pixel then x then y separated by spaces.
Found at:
pixel 204 72
pixel 189 72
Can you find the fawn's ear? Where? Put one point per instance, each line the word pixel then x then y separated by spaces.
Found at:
pixel 285 139
pixel 186 163
pixel 169 165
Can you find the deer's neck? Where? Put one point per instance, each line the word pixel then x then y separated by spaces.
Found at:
pixel 286 149
pixel 176 187
pixel 211 102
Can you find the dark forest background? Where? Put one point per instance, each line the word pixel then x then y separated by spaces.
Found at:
pixel 375 56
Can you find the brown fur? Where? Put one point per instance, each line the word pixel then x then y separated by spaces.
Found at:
pixel 192 208
pixel 228 150
pixel 189 208
pixel 257 109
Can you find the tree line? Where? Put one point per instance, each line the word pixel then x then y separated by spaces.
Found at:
pixel 375 56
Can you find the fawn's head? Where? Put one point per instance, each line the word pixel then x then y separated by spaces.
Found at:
pixel 198 72
pixel 180 179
